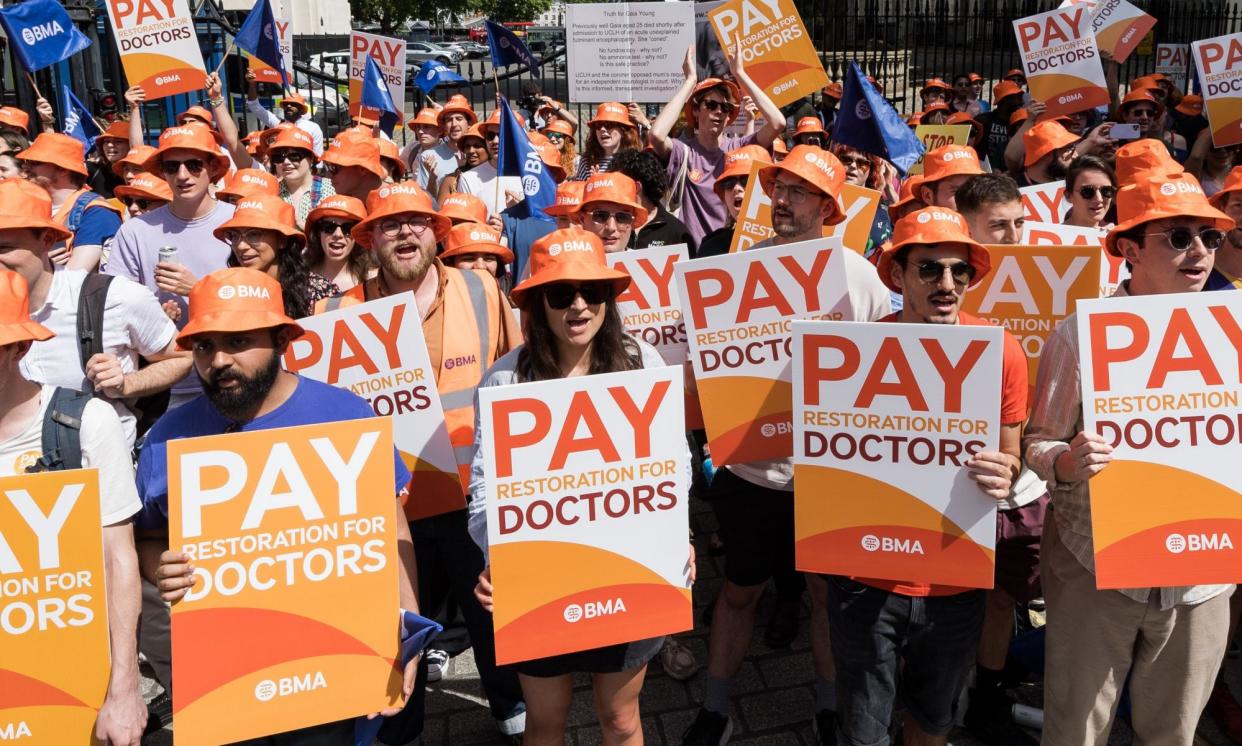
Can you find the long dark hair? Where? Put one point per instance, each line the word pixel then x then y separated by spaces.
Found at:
pixel 611 349
pixel 294 277
pixel 359 260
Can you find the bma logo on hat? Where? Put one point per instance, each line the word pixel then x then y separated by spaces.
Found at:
pixel 821 164
pixel 172 132
pixel 229 292
pixel 481 236
pixel 1174 187
pixel 249 204
pixel 570 246
pixel 600 184
pixel 252 179
pixel 954 155
pixel 924 217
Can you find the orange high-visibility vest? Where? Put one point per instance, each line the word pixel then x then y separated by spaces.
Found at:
pixel 62 215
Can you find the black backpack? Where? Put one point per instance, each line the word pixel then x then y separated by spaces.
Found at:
pixel 91 302
pixel 62 431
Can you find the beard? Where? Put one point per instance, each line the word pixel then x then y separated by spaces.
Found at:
pixel 405 271
pixel 1057 169
pixel 239 403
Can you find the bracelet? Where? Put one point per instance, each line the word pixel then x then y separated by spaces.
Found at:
pixel 214 102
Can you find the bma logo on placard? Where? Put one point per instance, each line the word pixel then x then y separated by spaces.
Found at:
pixel 15 730
pixel 1178 543
pixel 873 543
pixel 267 689
pixel 575 613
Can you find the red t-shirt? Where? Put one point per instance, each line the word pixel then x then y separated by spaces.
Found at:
pixel 1013 411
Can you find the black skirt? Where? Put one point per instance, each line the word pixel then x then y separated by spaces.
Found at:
pixel 610 659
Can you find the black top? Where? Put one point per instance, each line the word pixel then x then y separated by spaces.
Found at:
pixel 662 229
pixel 715 243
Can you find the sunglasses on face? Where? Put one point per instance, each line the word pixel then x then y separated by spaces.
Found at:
pixel 194 166
pixel 712 104
pixel 932 272
pixel 1181 239
pixel 560 295
pixel 733 181
pixel 293 156
pixel 859 162
pixel 555 137
pixel 330 227
pixel 143 204
pixel 391 227
pixel 1089 192
pixel 492 135
pixel 1143 113
pixel 600 217
pixel 250 236
pixel 809 140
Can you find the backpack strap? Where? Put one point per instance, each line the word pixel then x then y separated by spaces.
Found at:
pixel 80 204
pixel 62 431
pixel 91 300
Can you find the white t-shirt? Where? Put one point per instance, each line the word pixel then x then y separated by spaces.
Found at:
pixel 481 182
pixel 134 325
pixel 103 448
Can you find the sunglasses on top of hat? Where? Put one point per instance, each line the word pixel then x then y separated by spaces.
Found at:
pixel 560 295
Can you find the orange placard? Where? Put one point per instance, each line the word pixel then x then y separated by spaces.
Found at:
pixel 1031 289
pixel 293 618
pixel 586 481
pixel 776 49
pixel 885 418
pixel 389 54
pixel 1161 383
pixel 1119 27
pixel 265 73
pixel 754 222
pixel 1218 62
pixel 54 652
pixel 158 45
pixel 1061 60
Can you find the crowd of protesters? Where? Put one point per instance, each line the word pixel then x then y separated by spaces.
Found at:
pixel 326 220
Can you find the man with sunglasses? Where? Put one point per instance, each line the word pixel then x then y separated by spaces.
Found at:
pixel 466 322
pixel 1172 640
pixel 293 107
pixel 907 640
pixel 1140 107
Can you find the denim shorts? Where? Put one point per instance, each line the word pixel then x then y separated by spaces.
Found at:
pixel 891 648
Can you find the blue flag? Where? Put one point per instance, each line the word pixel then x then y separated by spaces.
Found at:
pixel 259 38
pixel 507 48
pixel 78 122
pixel 417 632
pixel 41 34
pixel 375 93
pixel 434 73
pixel 868 122
pixel 519 158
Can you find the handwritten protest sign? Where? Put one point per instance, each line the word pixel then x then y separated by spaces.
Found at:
pixel 738 310
pixel 54 651
pixel 158 46
pixel 377 351
pixel 292 620
pixel 1218 61
pixel 777 51
pixel 389 55
pixel 1061 60
pixel 1119 27
pixel 1160 383
pixel 886 415
pixel 627 51
pixel 586 482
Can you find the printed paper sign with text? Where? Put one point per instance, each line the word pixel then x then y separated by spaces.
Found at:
pixel 1112 268
pixel 264 72
pixel 1119 27
pixel 739 309
pixel 937 136
pixel 158 46
pixel 1161 382
pixel 1031 289
pixel 754 222
pixel 389 54
pixel 777 51
pixel 587 481
pixel 627 51
pixel 54 649
pixel 292 620
pixel 377 351
pixel 1219 62
pixel 1045 203
pixel 1061 60
pixel 885 418
pixel 1173 60
pixel 651 309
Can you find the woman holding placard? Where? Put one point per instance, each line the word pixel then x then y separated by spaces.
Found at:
pixel 572 328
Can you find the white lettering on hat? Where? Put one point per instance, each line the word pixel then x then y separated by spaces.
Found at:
pixel 568 246
pixel 600 184
pixel 480 236
pixel 954 155
pixel 249 204
pixel 252 179
pixel 821 164
pixel 940 216
pixel 924 217
pixel 1174 187
pixel 399 189
pixel 177 132
pixel 229 292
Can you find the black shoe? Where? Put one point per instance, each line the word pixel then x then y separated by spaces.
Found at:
pixel 708 729
pixel 824 728
pixel 159 713
pixel 989 718
pixel 782 625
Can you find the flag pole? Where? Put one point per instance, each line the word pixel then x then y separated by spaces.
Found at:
pixel 499 128
pixel 31 78
pixel 225 58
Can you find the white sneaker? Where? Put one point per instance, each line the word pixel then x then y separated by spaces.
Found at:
pixel 437 664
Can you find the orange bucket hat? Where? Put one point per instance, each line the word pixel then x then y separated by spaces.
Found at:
pixel 339 206
pixel 235 300
pixel 355 151
pixel 809 126
pixel 779 146
pixel 733 93
pixel 908 195
pixel 1044 138
pixel 932 226
pixel 1145 154
pixel 568 199
pixel 1156 195
pixel 475 131
pixel 59 150
pixel 265 212
pixel 465 208
pixel 962 117
pixel 815 165
pixel 551 156
pixel 1015 73
pixel 1140 96
pixel 188 137
pixel 296 99
pixel 15 322
pixel 1005 89
pixel 14 117
pixel 933 84
pixel 246 182
pixel 197 112
pixel 611 112
pixel 137 157
pixel 950 160
pixel 834 90
pixel 401 198
pixel 391 153
pixel 457 104
pixel 1018 117
pixel 559 126
pixel 611 186
pixel 914 119
pixel 738 163
pixel 474 238
pixel 1191 105
pixel 569 255
pixel 293 138
pixel 493 121
pixel 145 186
pixel 25 205
pixel 425 116
pixel 118 130
pixel 1233 183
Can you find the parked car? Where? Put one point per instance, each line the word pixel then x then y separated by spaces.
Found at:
pixel 471 50
pixel 422 51
pixel 334 64
pixel 329 106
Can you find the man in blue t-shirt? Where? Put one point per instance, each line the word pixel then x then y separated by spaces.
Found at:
pixel 238 332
